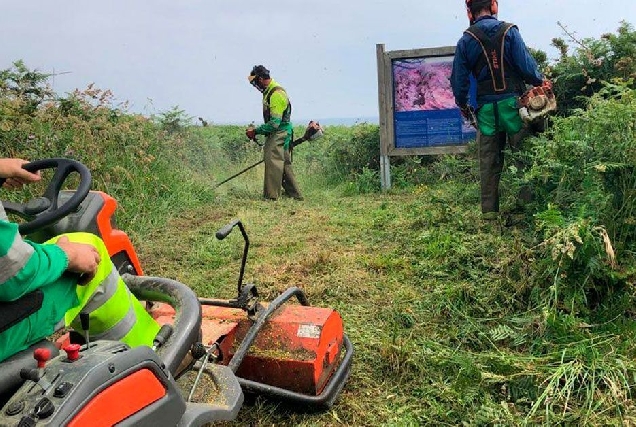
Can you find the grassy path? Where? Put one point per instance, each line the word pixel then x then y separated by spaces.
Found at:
pixel 440 306
pixel 360 255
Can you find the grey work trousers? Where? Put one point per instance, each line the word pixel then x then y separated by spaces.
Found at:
pixel 278 168
pixel 491 162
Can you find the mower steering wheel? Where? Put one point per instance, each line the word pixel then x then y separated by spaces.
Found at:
pixel 44 211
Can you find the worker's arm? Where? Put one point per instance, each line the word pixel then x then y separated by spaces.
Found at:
pixel 26 266
pixel 460 77
pixel 277 104
pixel 526 65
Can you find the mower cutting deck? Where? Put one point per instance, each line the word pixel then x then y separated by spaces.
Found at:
pixel 293 352
pixel 205 356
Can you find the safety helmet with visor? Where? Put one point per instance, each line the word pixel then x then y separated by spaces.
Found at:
pixel 258 72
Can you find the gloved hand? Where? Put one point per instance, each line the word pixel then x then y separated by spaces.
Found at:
pixel 469 113
pixel 547 84
pixel 250 132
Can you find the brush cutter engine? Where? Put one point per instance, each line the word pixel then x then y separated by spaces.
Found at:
pixel 313 132
pixel 537 103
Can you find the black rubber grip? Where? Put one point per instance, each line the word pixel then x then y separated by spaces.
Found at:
pixel 162 336
pixel 226 230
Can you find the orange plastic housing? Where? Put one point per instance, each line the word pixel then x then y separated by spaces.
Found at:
pixel 298 349
pixel 121 400
pixel 116 240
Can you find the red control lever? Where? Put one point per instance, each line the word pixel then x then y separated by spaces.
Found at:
pixel 72 352
pixel 42 355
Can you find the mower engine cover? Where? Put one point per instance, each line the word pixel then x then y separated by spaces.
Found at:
pixel 537 103
pixel 299 349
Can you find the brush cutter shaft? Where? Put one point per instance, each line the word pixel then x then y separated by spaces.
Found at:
pixel 314 131
pixel 238 173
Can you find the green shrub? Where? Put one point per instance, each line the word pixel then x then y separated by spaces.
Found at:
pixel 174 120
pixel 585 165
pixel 351 150
pixel 582 73
pixel 585 189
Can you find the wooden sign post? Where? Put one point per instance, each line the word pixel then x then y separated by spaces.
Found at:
pixel 418 115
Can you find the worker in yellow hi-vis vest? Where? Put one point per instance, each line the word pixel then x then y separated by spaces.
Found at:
pixel 279 131
pixel 69 274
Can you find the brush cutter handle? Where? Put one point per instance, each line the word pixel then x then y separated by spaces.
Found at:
pixel 224 231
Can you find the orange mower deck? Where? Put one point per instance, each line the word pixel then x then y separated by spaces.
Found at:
pixel 298 349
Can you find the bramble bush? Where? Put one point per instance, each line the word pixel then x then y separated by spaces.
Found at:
pixel 585 207
pixel 130 157
pixel 579 74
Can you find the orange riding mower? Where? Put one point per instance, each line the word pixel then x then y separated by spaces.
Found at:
pixel 206 355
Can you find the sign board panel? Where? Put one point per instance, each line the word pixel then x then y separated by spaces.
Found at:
pixel 418 115
pixel 425 114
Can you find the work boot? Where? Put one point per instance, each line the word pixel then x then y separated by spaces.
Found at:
pixel 514 218
pixel 490 216
pixel 296 197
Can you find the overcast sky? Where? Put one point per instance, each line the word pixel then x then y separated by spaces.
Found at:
pixel 196 54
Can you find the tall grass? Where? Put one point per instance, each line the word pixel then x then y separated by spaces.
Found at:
pixel 144 167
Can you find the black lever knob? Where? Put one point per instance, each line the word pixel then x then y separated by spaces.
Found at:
pixel 84 320
pixel 30 374
pixel 162 336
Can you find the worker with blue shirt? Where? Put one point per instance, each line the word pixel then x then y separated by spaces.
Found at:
pixel 495 54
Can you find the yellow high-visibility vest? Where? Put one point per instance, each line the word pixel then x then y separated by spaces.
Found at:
pixel 114 312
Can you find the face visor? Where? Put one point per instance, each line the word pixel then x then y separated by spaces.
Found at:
pixel 254 82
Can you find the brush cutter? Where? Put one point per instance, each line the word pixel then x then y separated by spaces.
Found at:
pixel 206 355
pixel 314 131
pixel 537 102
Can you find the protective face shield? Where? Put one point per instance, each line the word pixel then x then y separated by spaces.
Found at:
pixel 258 73
pixel 254 82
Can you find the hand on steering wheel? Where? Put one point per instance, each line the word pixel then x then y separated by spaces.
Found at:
pixel 44 211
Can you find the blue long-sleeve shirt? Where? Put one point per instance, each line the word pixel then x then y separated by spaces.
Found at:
pixel 516 55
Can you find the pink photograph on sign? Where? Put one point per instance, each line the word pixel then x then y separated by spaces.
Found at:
pixel 422 84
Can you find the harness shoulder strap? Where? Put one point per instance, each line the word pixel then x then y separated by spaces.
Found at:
pixel 492 57
pixel 271 92
pixel 13 312
pixel 287 113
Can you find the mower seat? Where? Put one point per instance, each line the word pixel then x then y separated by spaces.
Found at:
pixel 10 379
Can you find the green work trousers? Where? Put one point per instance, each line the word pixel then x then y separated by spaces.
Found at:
pixel 278 168
pixel 499 124
pixel 59 297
